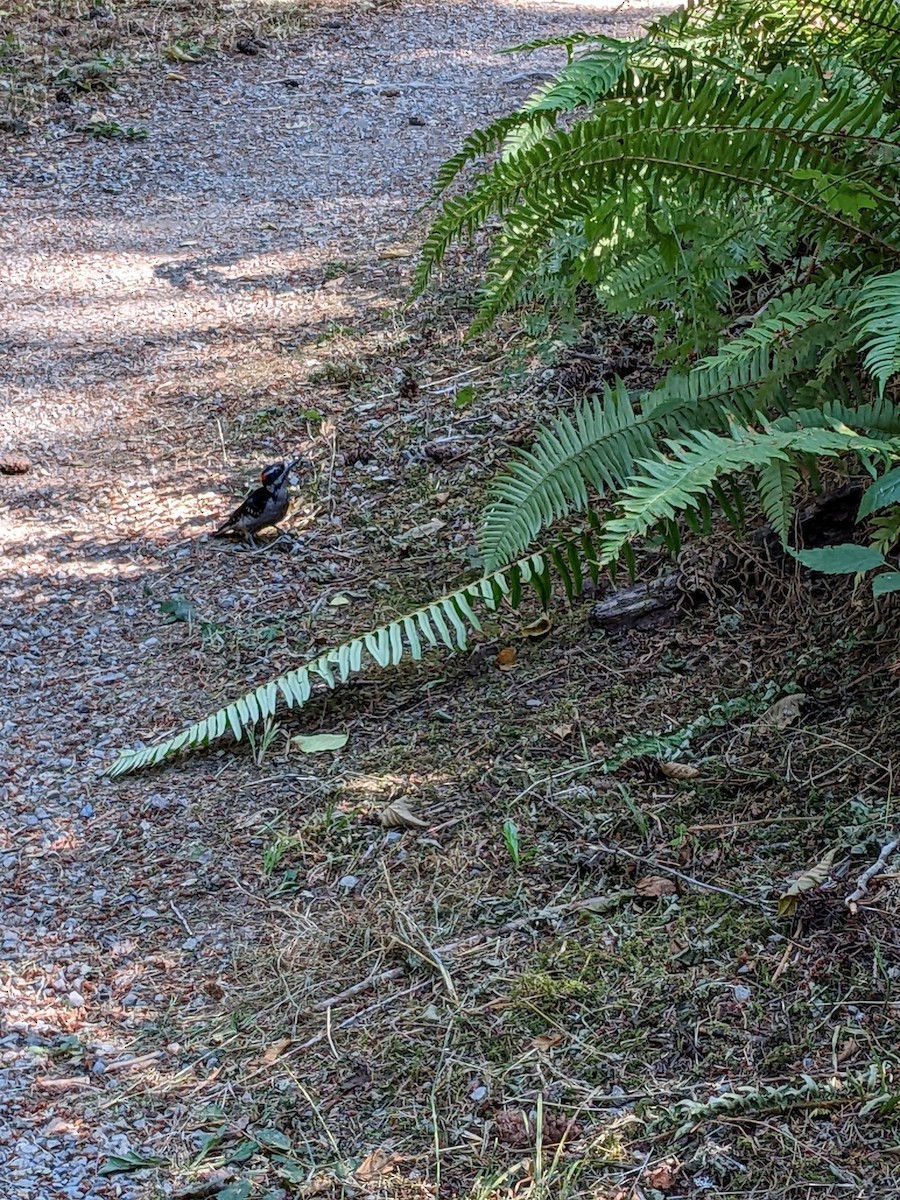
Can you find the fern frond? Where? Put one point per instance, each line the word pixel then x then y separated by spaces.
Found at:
pixel 596 448
pixel 877 313
pixel 584 80
pixel 446 622
pixel 600 446
pixel 776 485
pixel 766 333
pixel 668 485
pixel 885 531
pixel 710 139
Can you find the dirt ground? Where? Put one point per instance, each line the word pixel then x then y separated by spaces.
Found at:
pixel 572 977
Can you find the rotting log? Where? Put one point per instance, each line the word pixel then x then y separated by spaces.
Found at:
pixel 625 608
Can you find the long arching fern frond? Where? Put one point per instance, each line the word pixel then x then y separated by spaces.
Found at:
pixel 446 622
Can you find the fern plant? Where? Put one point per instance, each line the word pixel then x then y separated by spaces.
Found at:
pixel 735 175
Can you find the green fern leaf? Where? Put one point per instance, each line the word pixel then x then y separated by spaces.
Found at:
pixel 775 485
pixel 878 326
pixel 669 485
pixel 447 621
pixel 596 449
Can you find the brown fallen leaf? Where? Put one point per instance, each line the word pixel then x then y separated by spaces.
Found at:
pixel 373 1166
pixel 506 659
pixel 419 532
pixel 678 771
pixel 847 1050
pixel 276 1050
pixel 537 628
pixel 780 715
pixel 396 252
pixel 562 732
pixel 398 815
pixel 547 1041
pixel 662 1176
pixel 655 885
pixel 318 1185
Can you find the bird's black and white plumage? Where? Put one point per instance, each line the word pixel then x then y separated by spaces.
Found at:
pixel 265 506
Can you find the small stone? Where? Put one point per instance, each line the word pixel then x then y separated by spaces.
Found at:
pixel 130 1000
pixel 417 120
pixel 348 882
pixel 76 999
pixel 87 810
pixel 478 1094
pixel 741 994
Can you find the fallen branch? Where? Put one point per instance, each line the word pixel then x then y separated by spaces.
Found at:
pixel 862 884
pixel 128 1064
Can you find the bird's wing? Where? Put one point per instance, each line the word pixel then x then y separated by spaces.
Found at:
pixel 253 506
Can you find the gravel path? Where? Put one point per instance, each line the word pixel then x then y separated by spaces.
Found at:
pixel 154 295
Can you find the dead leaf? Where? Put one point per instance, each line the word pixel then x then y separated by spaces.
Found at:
pixel 813 878
pixel 374 1165
pixel 441 497
pixel 318 1185
pixel 655 885
pixel 506 659
pixel 418 532
pixel 662 1176
pixel 547 1041
pixel 537 628
pixel 176 77
pixel 780 715
pixel 847 1050
pixel 678 771
pixel 396 252
pixel 562 732
pixel 275 1051
pixel 398 815
pixel 318 743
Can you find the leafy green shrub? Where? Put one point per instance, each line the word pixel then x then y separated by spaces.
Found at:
pixel 733 174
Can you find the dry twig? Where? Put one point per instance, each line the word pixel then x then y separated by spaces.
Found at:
pixel 862 884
